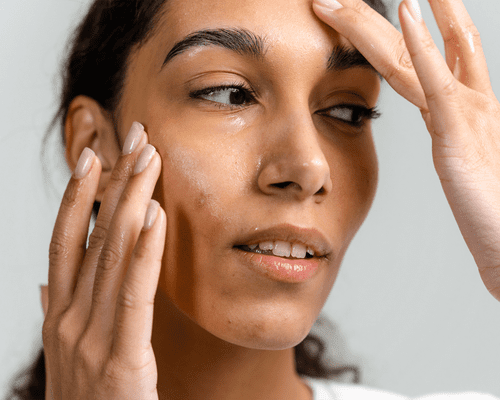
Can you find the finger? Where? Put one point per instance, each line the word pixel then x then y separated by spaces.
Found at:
pixel 464 51
pixel 69 238
pixel 379 42
pixel 121 173
pixel 122 237
pixel 44 298
pixel 439 84
pixel 49 391
pixel 134 314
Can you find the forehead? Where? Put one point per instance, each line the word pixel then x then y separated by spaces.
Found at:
pixel 282 23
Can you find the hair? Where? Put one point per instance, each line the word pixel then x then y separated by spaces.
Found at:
pixel 96 66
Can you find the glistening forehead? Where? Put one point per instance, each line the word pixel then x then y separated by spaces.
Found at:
pixel 247 43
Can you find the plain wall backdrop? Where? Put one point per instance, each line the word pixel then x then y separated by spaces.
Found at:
pixel 408 301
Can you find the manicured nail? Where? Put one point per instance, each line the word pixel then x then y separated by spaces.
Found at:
pixel 414 9
pixel 84 163
pixel 133 138
pixel 329 5
pixel 151 215
pixel 144 159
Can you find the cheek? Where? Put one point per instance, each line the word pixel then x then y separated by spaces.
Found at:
pixel 354 176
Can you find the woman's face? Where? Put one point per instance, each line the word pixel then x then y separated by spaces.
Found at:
pixel 256 148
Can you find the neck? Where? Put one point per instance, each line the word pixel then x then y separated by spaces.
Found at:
pixel 194 364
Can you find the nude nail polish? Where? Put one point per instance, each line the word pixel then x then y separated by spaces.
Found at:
pixel 151 215
pixel 133 138
pixel 84 163
pixel 414 9
pixel 329 5
pixel 144 159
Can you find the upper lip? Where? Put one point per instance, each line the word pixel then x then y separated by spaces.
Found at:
pixel 309 237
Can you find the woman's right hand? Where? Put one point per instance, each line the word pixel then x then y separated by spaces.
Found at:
pixel 97 331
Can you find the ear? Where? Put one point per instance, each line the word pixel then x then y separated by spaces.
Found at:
pixel 89 125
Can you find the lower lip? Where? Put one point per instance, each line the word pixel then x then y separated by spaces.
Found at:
pixel 282 269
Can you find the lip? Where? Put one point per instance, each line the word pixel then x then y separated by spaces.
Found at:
pixel 309 237
pixel 282 269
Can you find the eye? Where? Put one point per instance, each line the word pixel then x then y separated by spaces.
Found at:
pixel 354 115
pixel 228 95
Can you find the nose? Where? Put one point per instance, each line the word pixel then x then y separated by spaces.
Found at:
pixel 294 164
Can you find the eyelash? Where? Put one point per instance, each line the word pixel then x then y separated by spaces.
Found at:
pixel 248 93
pixel 362 113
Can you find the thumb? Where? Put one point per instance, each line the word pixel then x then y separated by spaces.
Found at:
pixel 44 297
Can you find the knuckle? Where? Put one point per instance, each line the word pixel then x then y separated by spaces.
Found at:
pixel 84 355
pixel 403 58
pixel 110 256
pixel 47 332
pixel 127 196
pixel 472 30
pixel 120 175
pixel 449 86
pixel 57 248
pixel 427 44
pixel 143 252
pixel 115 373
pixel 64 332
pixel 98 235
pixel 128 298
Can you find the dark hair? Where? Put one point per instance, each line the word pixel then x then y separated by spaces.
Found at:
pixel 95 67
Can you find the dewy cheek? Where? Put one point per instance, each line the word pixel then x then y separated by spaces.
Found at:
pixel 203 181
pixel 185 164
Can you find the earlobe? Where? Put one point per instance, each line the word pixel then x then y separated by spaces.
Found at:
pixel 88 125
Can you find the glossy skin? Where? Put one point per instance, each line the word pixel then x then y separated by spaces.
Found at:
pixel 222 329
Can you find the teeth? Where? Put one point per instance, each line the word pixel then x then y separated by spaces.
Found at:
pixel 282 249
pixel 298 250
pixel 266 245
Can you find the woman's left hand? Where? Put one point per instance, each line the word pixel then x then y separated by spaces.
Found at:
pixel 457 103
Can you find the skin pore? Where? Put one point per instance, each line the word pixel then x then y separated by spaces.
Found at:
pixel 279 155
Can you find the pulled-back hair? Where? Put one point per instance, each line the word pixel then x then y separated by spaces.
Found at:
pixel 96 66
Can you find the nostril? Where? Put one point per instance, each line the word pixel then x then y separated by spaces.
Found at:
pixel 282 185
pixel 321 191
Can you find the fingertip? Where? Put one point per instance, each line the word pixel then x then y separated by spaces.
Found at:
pixel 322 12
pixel 84 164
pixel 151 215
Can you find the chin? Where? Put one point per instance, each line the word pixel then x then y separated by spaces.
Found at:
pixel 271 330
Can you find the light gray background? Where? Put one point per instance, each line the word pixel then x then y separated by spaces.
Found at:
pixel 408 301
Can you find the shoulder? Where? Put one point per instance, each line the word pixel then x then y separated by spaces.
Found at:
pixel 328 390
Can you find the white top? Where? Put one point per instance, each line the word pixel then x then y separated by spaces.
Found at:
pixel 328 390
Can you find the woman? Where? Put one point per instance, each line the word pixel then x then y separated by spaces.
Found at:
pixel 263 164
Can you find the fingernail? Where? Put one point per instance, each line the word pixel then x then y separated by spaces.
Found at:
pixel 133 138
pixel 414 9
pixel 329 5
pixel 144 159
pixel 84 163
pixel 151 215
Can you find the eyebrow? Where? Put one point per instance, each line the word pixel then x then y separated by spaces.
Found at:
pixel 240 41
pixel 246 43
